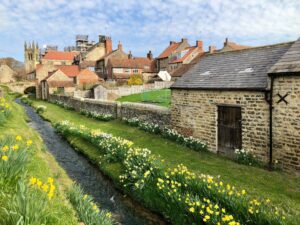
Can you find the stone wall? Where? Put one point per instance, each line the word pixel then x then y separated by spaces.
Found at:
pixel 286 122
pixel 195 112
pixel 147 113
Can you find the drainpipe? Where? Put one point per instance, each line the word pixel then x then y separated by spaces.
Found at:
pixel 271 125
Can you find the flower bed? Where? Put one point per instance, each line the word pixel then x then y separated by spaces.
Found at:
pixel 5 110
pixel 97 116
pixel 246 157
pixel 167 133
pixel 179 194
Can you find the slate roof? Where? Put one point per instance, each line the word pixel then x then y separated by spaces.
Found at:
pixel 241 69
pixel 289 62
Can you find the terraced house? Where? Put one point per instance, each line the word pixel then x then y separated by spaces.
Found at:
pixel 246 98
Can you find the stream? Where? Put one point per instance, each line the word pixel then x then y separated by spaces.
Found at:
pixel 93 182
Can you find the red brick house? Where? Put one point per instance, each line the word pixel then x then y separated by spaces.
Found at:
pixel 120 70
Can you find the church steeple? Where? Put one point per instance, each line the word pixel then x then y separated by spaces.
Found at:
pixel 31 55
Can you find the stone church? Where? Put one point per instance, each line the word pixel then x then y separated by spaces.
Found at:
pixel 31 56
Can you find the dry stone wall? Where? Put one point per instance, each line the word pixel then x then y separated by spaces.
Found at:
pixel 147 113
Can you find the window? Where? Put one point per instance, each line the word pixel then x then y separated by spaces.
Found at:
pixel 135 70
pixel 117 70
pixel 126 70
pixel 91 68
pixel 60 90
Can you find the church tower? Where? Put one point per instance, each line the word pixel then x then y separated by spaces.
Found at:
pixel 31 56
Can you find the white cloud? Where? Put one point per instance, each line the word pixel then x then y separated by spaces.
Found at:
pixel 148 25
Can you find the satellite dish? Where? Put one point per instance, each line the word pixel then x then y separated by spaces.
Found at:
pixel 164 75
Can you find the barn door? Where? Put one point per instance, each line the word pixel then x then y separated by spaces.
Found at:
pixel 229 129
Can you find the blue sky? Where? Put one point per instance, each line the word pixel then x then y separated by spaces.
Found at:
pixel 146 25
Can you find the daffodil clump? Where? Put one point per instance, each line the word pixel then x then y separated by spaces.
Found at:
pixel 14 155
pixel 26 100
pixel 47 187
pixel 97 116
pixel 171 134
pixel 26 199
pixel 246 157
pixel 62 104
pixel 41 109
pixel 5 110
pixel 184 197
pixel 88 212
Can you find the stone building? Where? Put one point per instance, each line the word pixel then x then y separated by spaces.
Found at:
pixel 31 56
pixel 101 64
pixel 185 56
pixel 246 99
pixel 88 58
pixel 171 53
pixel 7 75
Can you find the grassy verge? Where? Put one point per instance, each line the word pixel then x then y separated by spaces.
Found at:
pixel 158 97
pixel 282 189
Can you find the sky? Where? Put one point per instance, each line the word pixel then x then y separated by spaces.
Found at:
pixel 143 25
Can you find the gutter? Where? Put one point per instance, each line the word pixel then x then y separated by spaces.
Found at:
pixel 270 101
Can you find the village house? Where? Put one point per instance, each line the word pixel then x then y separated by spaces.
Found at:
pixel 66 79
pixel 120 70
pixel 101 64
pixel 169 54
pixel 7 75
pixel 244 99
pixel 185 56
pixel 88 58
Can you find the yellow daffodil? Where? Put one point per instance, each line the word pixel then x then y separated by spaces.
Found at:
pixel 18 138
pixel 5 148
pixel 4 157
pixel 29 142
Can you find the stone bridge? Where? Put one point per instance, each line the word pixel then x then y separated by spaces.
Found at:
pixel 22 87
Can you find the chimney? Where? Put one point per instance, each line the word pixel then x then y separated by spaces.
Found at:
pixel 199 44
pixel 184 40
pixel 226 42
pixel 129 55
pixel 108 45
pixel 150 55
pixel 172 42
pixel 120 47
pixel 212 48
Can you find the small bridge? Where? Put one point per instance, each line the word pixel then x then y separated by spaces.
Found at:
pixel 23 87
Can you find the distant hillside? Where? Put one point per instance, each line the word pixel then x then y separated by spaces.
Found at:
pixel 12 63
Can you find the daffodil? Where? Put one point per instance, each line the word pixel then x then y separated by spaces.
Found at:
pixel 4 157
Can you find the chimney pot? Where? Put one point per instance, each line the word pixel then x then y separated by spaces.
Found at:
pixel 226 42
pixel 120 47
pixel 172 42
pixel 212 49
pixel 129 55
pixel 183 39
pixel 150 55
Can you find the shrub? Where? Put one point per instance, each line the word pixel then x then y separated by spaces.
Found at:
pixel 41 109
pixel 88 212
pixel 135 79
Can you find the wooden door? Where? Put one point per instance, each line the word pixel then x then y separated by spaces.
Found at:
pixel 229 129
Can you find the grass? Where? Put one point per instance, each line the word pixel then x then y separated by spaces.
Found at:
pixel 158 97
pixel 281 188
pixel 42 164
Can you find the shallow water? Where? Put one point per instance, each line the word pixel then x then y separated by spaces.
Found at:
pixel 93 182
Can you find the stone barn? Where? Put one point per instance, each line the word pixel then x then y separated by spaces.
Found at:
pixel 246 99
